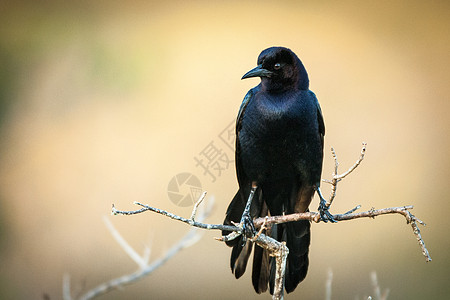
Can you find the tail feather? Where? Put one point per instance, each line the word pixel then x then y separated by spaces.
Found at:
pixel 261 269
pixel 261 262
pixel 298 238
pixel 234 214
pixel 240 252
pixel 296 235
pixel 277 233
pixel 239 258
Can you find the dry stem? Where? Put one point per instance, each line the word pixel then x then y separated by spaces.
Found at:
pixel 279 250
pixel 145 267
pixel 336 177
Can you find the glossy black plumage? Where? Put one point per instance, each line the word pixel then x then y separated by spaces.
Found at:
pixel 279 145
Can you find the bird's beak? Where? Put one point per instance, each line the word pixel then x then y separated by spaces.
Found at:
pixel 259 71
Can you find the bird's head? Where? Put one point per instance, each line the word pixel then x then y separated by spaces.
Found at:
pixel 280 69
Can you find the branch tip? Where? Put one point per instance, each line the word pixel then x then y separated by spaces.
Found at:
pixel 196 205
pixel 274 247
pixel 113 210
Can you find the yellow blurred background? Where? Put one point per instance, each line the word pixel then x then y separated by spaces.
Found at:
pixel 104 102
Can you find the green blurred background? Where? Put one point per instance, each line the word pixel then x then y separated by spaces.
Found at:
pixel 105 101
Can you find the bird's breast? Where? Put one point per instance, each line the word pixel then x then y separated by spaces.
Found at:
pixel 275 135
pixel 275 117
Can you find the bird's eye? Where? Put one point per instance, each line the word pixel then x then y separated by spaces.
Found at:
pixel 277 66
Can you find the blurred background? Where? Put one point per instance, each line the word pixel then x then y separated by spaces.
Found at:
pixel 107 102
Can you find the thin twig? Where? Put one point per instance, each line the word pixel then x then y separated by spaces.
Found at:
pixel 312 216
pixel 328 285
pixel 375 285
pixel 416 231
pixel 338 177
pixel 142 261
pixel 66 287
pixel 356 164
pixel 353 209
pixel 194 210
pixel 280 252
pixel 279 249
pixel 377 289
pixel 263 227
pixel 372 213
pixel 191 237
pixel 191 222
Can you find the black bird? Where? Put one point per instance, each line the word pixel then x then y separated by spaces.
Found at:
pixel 279 148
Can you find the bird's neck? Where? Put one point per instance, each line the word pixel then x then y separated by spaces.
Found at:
pixel 277 86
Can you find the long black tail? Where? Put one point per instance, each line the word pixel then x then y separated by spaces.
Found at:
pixel 298 237
pixel 240 252
pixel 295 234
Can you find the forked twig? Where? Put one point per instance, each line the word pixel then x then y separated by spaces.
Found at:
pixel 336 178
pixel 276 248
pixel 350 215
pixel 145 267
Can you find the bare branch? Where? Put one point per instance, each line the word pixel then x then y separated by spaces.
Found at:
pixel 229 237
pixel 312 216
pixel 372 213
pixel 336 177
pixel 66 287
pixel 356 164
pixel 262 228
pixel 191 237
pixel 328 285
pixel 416 231
pixel 142 261
pixel 194 210
pixel 191 222
pixel 280 252
pixel 377 289
pixel 275 248
pixel 375 285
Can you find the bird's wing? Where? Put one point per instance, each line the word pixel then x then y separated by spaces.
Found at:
pixel 240 253
pixel 319 117
pixel 239 171
pixel 244 103
pixel 306 192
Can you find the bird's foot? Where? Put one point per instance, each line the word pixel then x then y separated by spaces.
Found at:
pixel 324 211
pixel 248 228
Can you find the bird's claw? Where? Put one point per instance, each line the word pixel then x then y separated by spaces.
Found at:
pixel 325 214
pixel 248 228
